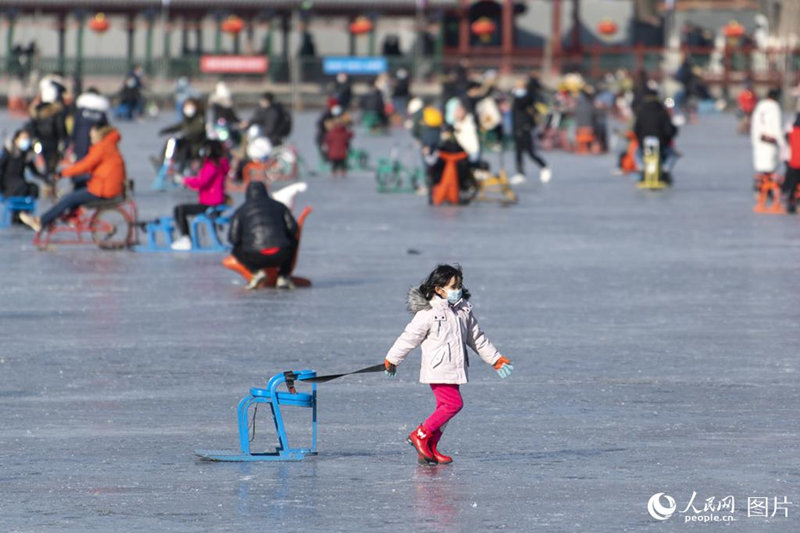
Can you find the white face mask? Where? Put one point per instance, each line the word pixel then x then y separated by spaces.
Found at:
pixel 453 295
pixel 189 111
pixel 24 144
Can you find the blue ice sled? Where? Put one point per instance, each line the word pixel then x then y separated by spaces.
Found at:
pixel 159 232
pixel 270 395
pixel 15 204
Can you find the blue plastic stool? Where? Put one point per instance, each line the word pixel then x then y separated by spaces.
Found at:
pixel 275 399
pixel 213 217
pixel 16 204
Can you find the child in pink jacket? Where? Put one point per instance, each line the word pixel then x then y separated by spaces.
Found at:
pixel 210 186
pixel 443 325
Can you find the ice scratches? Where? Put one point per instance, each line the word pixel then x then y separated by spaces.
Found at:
pixel 556 455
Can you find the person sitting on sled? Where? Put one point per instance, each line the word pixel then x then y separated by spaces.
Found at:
pixel 451 173
pixel 264 234
pixel 443 325
pixel 106 167
pixel 190 133
pixel 15 161
pixel 210 186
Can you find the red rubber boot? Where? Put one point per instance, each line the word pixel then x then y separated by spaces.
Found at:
pixel 434 442
pixel 420 439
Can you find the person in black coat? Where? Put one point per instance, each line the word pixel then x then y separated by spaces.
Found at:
pixel 343 90
pixel 272 118
pixel 48 125
pixel 14 161
pixel 523 119
pixel 653 120
pixel 264 234
pixel 190 133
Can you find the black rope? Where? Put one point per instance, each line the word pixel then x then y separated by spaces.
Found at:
pixel 290 379
pixel 331 377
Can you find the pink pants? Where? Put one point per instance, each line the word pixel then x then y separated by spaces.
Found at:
pixel 448 404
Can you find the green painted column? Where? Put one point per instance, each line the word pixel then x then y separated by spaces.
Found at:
pixel 372 37
pixel 10 43
pixel 131 29
pixel 167 41
pixel 61 27
pixel 352 41
pixel 267 49
pixel 148 46
pixel 167 47
pixel 439 50
pixel 81 18
pixel 218 35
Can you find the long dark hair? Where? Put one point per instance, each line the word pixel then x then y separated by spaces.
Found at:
pixel 440 277
pixel 214 150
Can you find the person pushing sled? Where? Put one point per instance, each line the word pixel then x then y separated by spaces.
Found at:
pixel 443 325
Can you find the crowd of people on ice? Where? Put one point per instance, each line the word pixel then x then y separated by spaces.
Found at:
pixel 210 144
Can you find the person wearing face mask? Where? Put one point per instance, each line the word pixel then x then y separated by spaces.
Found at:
pixel 443 325
pixel 523 118
pixel 15 161
pixel 190 133
pixel 130 96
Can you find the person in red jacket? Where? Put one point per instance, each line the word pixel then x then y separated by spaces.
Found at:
pixel 746 102
pixel 792 178
pixel 337 144
pixel 107 169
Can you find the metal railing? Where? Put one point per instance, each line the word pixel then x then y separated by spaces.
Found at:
pixel 718 67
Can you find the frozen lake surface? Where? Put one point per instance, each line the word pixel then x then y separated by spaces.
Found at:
pixel 654 337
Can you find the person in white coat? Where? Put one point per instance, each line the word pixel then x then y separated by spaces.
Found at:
pixel 466 133
pixel 766 134
pixel 443 325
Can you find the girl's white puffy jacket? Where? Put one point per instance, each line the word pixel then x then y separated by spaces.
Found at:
pixel 444 332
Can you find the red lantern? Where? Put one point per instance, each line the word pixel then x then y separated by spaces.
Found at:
pixel 99 23
pixel 361 26
pixel 232 25
pixel 483 28
pixel 607 27
pixel 733 29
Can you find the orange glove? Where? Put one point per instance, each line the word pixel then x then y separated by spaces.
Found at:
pixel 503 367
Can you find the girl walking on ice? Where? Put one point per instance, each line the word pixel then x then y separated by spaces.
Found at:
pixel 443 325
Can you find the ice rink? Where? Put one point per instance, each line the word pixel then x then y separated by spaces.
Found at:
pixel 655 340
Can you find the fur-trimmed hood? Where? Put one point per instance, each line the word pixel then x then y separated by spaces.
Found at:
pixel 417 301
pixel 44 110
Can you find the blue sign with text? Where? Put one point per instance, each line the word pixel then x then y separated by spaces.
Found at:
pixel 354 65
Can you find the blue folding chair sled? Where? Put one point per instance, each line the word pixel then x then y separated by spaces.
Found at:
pixel 13 205
pixel 276 401
pixel 204 232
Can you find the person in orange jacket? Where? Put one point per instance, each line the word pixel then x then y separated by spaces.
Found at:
pixel 107 169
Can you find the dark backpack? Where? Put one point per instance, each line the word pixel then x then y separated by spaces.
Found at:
pixel 284 121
